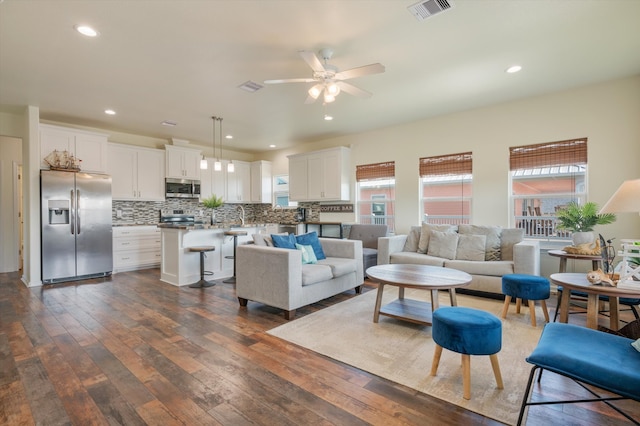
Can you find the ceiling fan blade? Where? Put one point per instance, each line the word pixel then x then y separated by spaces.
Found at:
pixel 310 99
pixel 360 71
pixel 290 80
pixel 353 90
pixel 312 60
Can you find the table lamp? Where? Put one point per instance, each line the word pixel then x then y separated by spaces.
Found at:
pixel 625 199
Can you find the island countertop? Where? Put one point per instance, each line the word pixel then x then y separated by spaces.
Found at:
pixel 222 226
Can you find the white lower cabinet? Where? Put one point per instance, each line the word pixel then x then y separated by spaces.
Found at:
pixel 136 247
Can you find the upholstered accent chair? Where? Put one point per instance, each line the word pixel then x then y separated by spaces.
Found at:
pixel 369 235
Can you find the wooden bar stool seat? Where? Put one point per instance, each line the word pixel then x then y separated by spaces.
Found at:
pixel 202 250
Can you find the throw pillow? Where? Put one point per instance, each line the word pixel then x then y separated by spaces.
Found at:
pixel 470 247
pixel 425 234
pixel 492 246
pixel 443 244
pixel 284 241
pixel 311 239
pixel 411 244
pixel 308 255
pixel 264 240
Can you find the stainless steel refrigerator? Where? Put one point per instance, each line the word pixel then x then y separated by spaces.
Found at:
pixel 76 225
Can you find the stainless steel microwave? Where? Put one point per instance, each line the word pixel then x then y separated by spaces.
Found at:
pixel 182 188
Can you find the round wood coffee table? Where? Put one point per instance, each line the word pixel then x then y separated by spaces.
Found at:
pixel 579 282
pixel 423 277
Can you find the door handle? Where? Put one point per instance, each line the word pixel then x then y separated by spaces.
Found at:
pixel 73 214
pixel 78 210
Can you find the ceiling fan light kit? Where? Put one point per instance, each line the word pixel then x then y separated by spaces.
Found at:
pixel 328 79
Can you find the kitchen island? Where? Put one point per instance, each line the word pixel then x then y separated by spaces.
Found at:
pixel 181 267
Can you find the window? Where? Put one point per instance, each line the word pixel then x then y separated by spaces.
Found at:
pixel 446 182
pixel 281 192
pixel 545 178
pixel 376 193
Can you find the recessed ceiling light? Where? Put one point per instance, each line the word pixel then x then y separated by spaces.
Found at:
pixel 169 123
pixel 272 146
pixel 109 112
pixel 327 117
pixel 229 137
pixel 86 30
pixel 513 68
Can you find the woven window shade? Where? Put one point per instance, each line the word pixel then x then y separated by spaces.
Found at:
pixel 442 165
pixel 561 153
pixel 386 170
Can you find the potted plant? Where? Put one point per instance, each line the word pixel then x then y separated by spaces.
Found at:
pixel 213 203
pixel 580 219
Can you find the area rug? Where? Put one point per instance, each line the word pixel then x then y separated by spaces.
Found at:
pixel 402 352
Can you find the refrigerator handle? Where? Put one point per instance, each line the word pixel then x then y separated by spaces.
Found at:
pixel 78 210
pixel 73 214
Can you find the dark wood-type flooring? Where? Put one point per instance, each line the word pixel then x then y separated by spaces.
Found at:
pixel 131 350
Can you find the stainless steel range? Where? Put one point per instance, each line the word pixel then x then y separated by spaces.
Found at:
pixel 178 217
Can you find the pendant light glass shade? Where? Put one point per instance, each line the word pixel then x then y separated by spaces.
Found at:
pixel 203 163
pixel 230 167
pixel 217 166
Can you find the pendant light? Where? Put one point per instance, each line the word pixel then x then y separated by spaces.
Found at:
pixel 217 165
pixel 230 166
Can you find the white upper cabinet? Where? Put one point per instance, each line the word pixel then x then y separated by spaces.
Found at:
pixel 212 181
pixel 261 182
pixel 136 173
pixel 238 182
pixel 320 175
pixel 183 163
pixel 90 147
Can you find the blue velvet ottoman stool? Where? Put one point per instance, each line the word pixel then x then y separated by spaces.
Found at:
pixel 527 287
pixel 468 332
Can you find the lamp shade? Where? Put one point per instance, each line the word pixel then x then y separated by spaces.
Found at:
pixel 625 199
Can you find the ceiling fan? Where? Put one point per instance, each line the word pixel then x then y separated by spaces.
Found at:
pixel 329 79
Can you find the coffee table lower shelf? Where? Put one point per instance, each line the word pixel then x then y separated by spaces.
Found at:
pixel 411 310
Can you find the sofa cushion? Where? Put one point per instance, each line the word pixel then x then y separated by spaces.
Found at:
pixel 443 244
pixel 411 243
pixel 425 234
pixel 496 268
pixel 284 241
pixel 492 233
pixel 264 240
pixel 415 259
pixel 471 247
pixel 311 239
pixel 508 238
pixel 315 273
pixel 308 255
pixel 339 266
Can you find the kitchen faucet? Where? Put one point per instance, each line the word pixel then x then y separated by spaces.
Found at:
pixel 241 214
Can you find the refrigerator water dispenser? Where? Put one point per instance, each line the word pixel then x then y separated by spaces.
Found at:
pixel 58 212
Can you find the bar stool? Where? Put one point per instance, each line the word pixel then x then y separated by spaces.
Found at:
pixel 202 250
pixel 235 235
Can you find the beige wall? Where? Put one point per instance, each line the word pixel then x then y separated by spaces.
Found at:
pixel 607 114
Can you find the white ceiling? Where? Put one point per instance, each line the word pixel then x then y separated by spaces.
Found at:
pixel 183 61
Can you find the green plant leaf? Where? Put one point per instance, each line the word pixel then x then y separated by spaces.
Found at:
pixel 213 201
pixel 582 218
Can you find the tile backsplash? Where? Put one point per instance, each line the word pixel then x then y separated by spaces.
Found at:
pixel 148 212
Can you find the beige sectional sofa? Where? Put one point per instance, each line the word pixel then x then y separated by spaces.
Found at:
pixel 276 276
pixel 485 252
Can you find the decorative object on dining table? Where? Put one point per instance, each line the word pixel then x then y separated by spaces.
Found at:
pixel 590 249
pixel 629 267
pixel 213 203
pixel 599 277
pixel 581 219
pixel 63 161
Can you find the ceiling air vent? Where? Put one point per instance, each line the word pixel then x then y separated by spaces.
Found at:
pixel 424 9
pixel 250 86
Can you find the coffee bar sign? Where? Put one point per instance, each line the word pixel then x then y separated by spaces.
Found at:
pixel 336 208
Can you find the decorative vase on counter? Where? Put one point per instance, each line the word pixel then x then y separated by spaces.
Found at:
pixel 213 216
